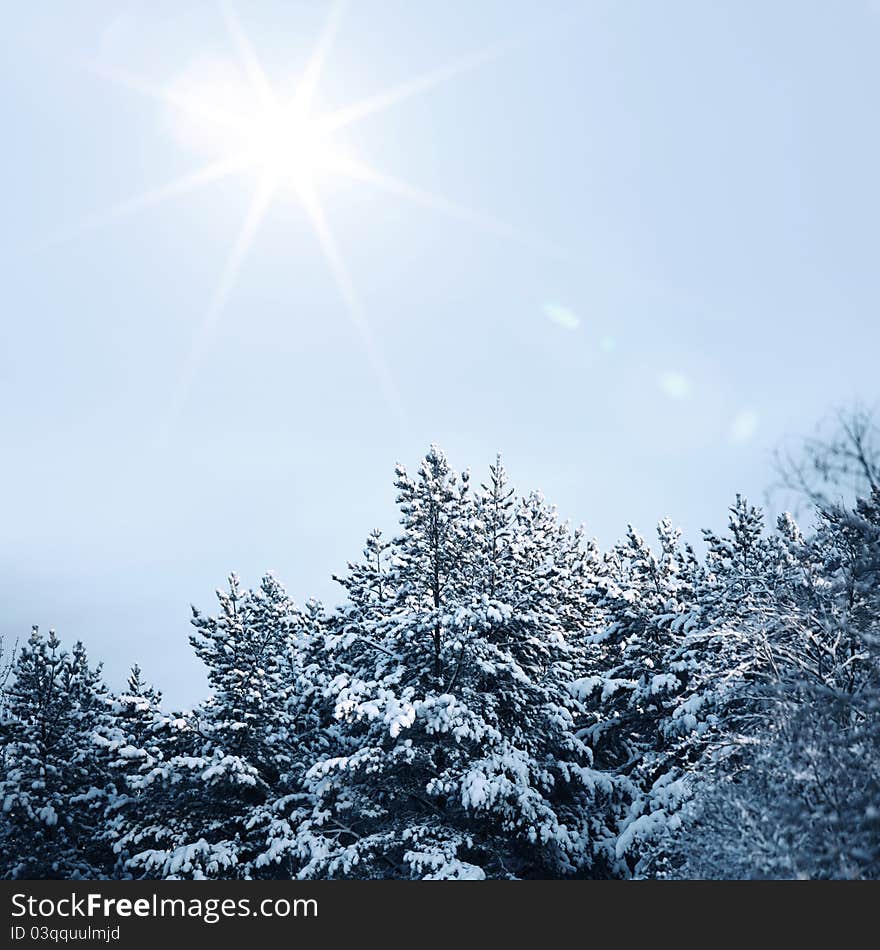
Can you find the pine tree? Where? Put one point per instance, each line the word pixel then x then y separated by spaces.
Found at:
pixel 431 553
pixel 53 788
pixel 457 752
pixel 129 733
pixel 495 524
pixel 800 798
pixel 211 801
pixel 641 669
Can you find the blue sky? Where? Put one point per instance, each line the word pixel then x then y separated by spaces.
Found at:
pixel 669 263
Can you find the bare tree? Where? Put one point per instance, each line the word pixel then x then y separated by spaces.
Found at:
pixel 838 463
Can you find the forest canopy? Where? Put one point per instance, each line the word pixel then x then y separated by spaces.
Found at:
pixel 496 697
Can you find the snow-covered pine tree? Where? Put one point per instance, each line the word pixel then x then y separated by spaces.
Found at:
pixel 800 799
pixel 741 566
pixel 367 581
pixel 129 733
pixel 7 662
pixel 53 787
pixel 747 576
pixel 432 554
pixel 712 666
pixel 311 734
pixel 495 507
pixel 228 772
pixel 639 674
pixel 370 596
pixel 458 757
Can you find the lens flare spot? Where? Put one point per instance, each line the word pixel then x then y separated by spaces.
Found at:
pixel 744 426
pixel 675 385
pixel 562 316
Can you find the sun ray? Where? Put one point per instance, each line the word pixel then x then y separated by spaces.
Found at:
pixel 305 91
pixel 356 313
pixel 413 87
pixel 250 61
pixel 202 337
pixel 192 105
pixel 216 171
pixel 359 171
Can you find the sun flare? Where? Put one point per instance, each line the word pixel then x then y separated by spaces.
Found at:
pixel 231 111
pixel 288 144
pixel 215 109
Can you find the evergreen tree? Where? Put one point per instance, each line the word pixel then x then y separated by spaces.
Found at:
pixel 642 667
pixel 800 799
pixel 53 788
pixel 130 734
pixel 211 796
pixel 458 756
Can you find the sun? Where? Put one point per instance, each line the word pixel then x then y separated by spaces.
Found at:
pixel 286 145
pixel 217 109
pixel 233 111
pixel 290 146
